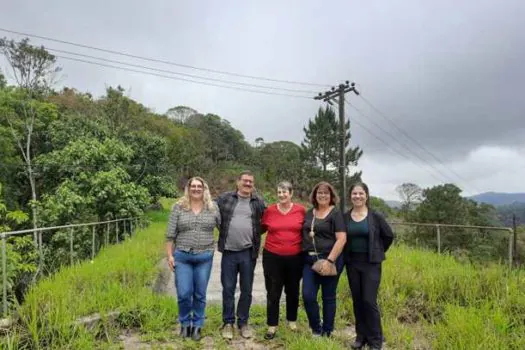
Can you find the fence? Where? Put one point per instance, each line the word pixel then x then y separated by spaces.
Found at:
pixel 438 232
pixel 101 235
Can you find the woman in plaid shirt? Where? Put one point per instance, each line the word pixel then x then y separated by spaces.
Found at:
pixel 190 247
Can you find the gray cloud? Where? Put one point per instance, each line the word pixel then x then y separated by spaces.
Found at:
pixel 449 73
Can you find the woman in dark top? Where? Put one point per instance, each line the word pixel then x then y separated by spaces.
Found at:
pixel 326 242
pixel 369 237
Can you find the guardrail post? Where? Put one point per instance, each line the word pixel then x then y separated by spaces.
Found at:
pixel 116 230
pixel 131 227
pixel 40 249
pixel 511 237
pixel 107 234
pixel 71 246
pixel 438 238
pixel 4 274
pixel 93 243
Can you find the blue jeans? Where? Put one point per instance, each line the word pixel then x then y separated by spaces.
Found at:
pixel 233 264
pixel 311 283
pixel 192 273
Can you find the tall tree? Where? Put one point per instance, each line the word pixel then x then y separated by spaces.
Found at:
pixel 34 70
pixel 410 195
pixel 320 147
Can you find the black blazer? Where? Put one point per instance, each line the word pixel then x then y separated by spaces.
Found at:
pixel 380 237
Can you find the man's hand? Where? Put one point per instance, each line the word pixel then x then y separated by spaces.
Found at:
pixel 171 262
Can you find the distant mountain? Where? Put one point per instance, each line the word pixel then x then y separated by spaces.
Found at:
pixel 393 204
pixel 499 198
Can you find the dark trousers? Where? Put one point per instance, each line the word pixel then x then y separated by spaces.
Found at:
pixel 235 264
pixel 282 271
pixel 364 279
pixel 312 281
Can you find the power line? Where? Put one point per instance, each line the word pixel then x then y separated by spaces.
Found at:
pixel 179 73
pixel 412 139
pixel 164 61
pixel 182 79
pixel 396 140
pixel 447 178
pixel 390 148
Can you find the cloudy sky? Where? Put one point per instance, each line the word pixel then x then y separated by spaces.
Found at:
pixel 449 74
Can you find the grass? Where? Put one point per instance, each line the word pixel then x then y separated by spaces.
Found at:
pixel 427 301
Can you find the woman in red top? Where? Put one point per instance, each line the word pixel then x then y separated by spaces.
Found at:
pixel 282 259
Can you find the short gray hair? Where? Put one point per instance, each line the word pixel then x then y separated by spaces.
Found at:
pixel 287 185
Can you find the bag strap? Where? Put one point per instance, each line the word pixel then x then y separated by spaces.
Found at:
pixel 312 234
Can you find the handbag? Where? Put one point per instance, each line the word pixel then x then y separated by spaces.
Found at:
pixel 321 266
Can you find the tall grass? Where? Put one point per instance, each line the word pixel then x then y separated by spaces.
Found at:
pixel 427 301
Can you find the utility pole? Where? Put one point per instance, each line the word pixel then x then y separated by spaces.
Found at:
pixel 338 95
pixel 514 240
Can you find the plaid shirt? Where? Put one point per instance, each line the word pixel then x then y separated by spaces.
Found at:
pixel 227 202
pixel 192 232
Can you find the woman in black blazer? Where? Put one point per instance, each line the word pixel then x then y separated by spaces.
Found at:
pixel 368 238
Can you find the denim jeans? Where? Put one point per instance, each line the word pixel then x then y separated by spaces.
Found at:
pixel 192 273
pixel 311 283
pixel 232 264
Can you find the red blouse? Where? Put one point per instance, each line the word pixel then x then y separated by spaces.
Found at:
pixel 284 230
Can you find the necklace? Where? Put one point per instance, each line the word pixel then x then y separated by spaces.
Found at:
pixel 284 211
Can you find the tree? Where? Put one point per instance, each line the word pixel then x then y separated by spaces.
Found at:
pixel 33 67
pixel 259 142
pixel 320 147
pixel 26 118
pixel 443 204
pixel 280 161
pixel 3 82
pixel 34 71
pixel 180 113
pixel 380 205
pixel 410 194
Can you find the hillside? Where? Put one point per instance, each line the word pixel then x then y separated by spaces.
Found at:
pixel 499 198
pixel 428 301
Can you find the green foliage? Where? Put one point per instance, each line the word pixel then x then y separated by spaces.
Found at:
pixel 222 141
pixel 380 205
pixel 20 251
pixel 3 82
pixel 320 148
pixel 33 67
pixel 427 301
pixel 444 204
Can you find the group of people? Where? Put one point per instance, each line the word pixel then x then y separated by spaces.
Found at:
pixel 314 245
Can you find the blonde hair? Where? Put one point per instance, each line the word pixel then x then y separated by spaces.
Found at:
pixel 185 201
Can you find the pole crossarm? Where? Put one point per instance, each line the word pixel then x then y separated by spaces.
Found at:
pixel 337 95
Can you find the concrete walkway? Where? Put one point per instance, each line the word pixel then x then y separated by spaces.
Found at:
pixel 214 295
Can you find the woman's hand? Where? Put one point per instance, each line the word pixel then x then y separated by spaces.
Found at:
pixel 171 262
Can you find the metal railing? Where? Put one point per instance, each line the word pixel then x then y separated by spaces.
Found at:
pixel 101 235
pixel 439 226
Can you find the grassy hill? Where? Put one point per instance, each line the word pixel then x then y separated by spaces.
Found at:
pixel 427 300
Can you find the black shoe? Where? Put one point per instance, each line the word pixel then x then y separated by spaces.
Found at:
pixel 196 333
pixel 269 335
pixel 326 334
pixel 185 331
pixel 358 344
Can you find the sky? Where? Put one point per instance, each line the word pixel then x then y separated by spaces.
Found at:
pixel 440 81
